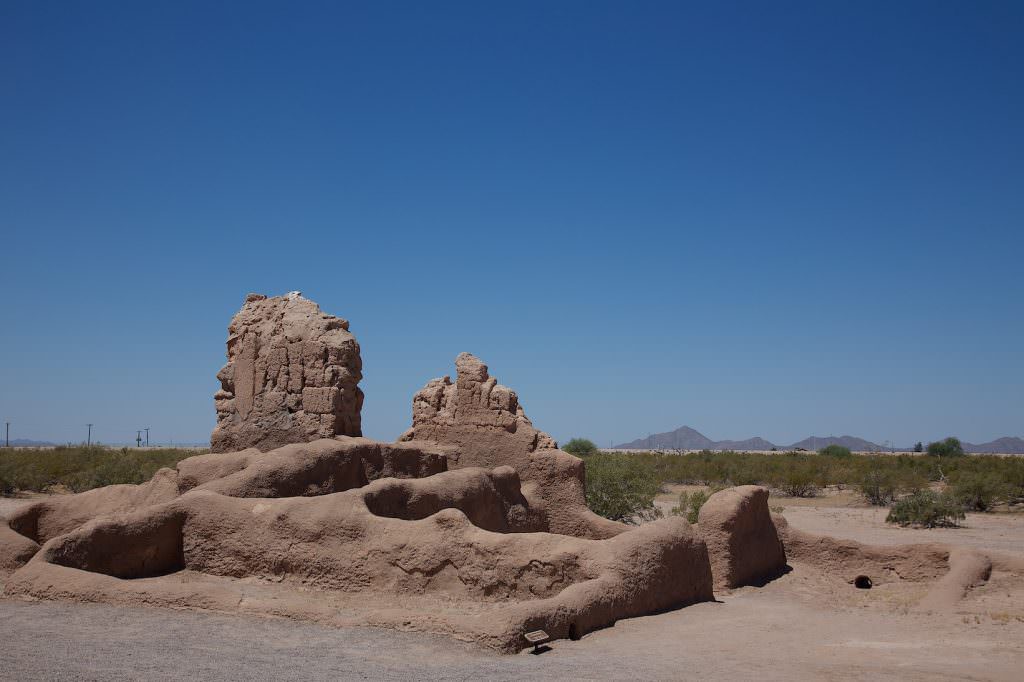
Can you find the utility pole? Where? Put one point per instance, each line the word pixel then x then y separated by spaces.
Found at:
pixel 88 441
pixel 7 436
pixel 138 438
pixel 147 436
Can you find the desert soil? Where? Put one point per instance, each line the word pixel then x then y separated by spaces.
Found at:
pixel 9 504
pixel 805 625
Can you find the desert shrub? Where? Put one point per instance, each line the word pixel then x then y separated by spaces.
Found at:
pixel 978 490
pixel 1014 476
pixel 918 446
pixel 797 478
pixel 750 472
pixel 927 509
pixel 621 487
pixel 882 485
pixel 689 505
pixel 581 447
pixel 83 467
pixel 877 486
pixel 835 450
pixel 909 481
pixel 804 473
pixel 949 447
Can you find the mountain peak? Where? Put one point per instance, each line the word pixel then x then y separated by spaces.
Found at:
pixel 689 438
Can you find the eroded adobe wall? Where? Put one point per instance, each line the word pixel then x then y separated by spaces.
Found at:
pixel 292 376
pixel 321 467
pixel 451 537
pixel 487 427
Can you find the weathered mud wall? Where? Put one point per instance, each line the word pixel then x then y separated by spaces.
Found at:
pixel 461 536
pixel 292 376
pixel 487 427
pixel 741 537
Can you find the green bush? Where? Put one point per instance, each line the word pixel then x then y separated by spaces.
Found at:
pixel 621 487
pixel 978 490
pixel 835 450
pixel 927 509
pixel 581 447
pixel 950 447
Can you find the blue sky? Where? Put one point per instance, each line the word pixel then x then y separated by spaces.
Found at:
pixel 770 219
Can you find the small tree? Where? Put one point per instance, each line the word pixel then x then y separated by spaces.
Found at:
pixel 918 446
pixel 950 447
pixel 835 450
pixel 581 447
pixel 621 487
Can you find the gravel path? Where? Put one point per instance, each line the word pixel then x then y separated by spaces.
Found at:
pixel 755 634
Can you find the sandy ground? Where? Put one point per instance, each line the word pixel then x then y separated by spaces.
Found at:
pixel 994 532
pixel 805 625
pixel 9 504
pixel 767 633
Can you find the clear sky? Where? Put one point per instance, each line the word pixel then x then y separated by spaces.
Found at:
pixel 774 219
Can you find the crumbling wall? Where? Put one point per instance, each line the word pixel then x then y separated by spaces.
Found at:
pixel 484 423
pixel 292 376
pixel 742 540
pixel 454 539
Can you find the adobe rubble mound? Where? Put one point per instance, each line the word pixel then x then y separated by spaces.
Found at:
pixel 307 531
pixel 486 426
pixel 292 376
pixel 299 470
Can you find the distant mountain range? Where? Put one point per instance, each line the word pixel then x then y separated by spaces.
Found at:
pixel 686 438
pixel 852 442
pixel 1009 445
pixel 28 443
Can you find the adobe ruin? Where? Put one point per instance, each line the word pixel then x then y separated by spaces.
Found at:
pixel 473 524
